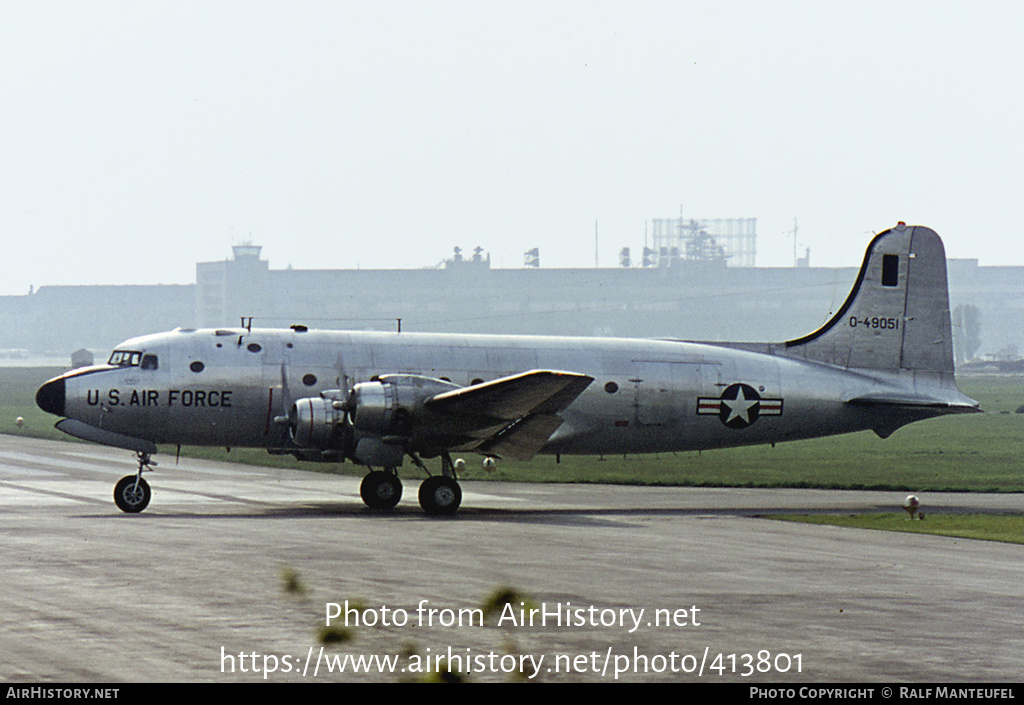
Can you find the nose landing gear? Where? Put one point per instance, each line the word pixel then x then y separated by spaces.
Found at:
pixel 132 493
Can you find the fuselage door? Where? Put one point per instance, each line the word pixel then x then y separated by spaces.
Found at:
pixel 659 389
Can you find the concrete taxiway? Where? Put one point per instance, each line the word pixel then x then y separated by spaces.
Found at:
pixel 634 584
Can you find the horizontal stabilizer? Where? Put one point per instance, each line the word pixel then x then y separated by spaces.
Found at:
pixel 893 410
pixel 915 400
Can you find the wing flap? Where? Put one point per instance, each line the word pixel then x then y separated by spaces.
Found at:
pixel 522 439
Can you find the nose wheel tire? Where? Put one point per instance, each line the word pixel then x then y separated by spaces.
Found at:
pixel 440 495
pixel 381 490
pixel 131 494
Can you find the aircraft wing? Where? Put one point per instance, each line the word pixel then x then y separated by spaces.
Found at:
pixel 512 416
pixel 510 398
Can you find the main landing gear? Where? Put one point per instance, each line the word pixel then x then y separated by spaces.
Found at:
pixel 381 489
pixel 132 493
pixel 439 495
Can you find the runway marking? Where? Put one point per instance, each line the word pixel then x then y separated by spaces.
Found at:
pixel 56 466
pixel 22 494
pixel 7 470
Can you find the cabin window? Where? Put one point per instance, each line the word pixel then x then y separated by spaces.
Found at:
pixel 197 366
pixel 125 358
pixel 890 270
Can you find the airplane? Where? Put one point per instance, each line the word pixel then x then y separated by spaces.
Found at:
pixel 883 360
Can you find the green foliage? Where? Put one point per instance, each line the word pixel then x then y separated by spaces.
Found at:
pixel 292 582
pixel 494 604
pixel 334 636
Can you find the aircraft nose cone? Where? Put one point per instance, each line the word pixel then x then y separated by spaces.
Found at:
pixel 50 397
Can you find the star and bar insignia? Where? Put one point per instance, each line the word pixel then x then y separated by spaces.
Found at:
pixel 739 406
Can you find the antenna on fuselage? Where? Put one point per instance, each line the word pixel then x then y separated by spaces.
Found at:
pixel 247 323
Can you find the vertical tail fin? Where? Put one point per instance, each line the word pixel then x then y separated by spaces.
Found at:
pixel 897 316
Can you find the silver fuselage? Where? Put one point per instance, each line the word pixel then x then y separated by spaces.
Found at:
pixel 234 387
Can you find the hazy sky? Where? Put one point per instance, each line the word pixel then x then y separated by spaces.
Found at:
pixel 139 138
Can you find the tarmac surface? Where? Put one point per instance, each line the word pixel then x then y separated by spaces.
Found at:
pixel 232 570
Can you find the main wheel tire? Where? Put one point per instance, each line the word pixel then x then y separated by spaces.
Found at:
pixel 381 490
pixel 440 496
pixel 132 494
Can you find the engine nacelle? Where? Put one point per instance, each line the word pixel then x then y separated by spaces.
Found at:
pixel 384 408
pixel 318 422
pixel 389 405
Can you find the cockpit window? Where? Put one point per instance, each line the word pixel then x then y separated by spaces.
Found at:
pixel 125 358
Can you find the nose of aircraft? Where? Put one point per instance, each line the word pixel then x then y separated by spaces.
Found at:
pixel 50 397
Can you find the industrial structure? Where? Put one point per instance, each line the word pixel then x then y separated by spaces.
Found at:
pixel 732 240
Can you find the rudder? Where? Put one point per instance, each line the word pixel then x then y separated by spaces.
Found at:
pixel 897 315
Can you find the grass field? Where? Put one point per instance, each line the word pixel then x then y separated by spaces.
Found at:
pixel 1008 528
